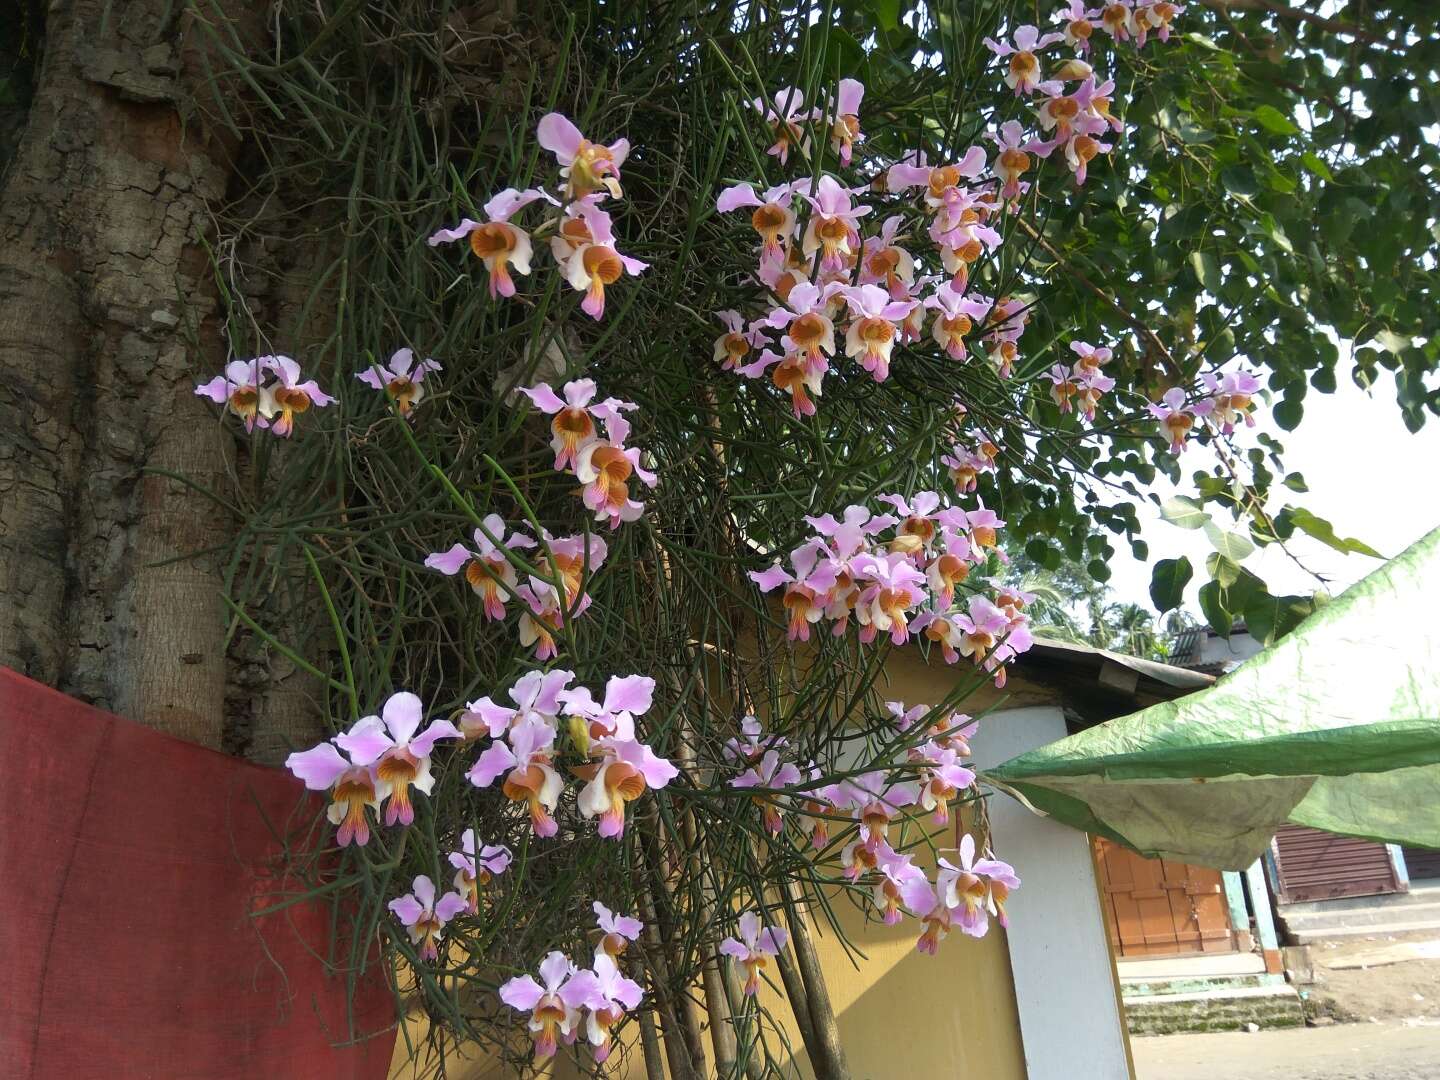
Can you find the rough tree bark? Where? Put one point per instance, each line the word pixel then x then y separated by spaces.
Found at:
pixel 108 312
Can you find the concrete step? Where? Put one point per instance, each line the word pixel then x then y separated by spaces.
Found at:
pixel 1426 892
pixel 1310 937
pixel 1215 1010
pixel 1373 915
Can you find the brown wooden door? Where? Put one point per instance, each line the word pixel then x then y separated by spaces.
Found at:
pixel 1317 865
pixel 1155 907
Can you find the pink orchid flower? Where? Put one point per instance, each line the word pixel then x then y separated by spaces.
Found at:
pixel 586 167
pixel 617 930
pixel 626 770
pixel 1013 602
pixel 962 238
pixel 809 328
pixel 1023 72
pixel 804 590
pixel 941 182
pixel 606 995
pixel 874 802
pixel 1063 387
pixel 1013 159
pixel 734 345
pixel 927 904
pixel 574 417
pixel 539 697
pixel 242 392
pixel 845 123
pixel 893 587
pixel 794 374
pixel 870 336
pixel 884 263
pixel 424 917
pixel 400 756
pixel 977 888
pixel 476 864
pixel 1177 417
pixel 568 559
pixel 1079 25
pixel 752 742
pixel 486 569
pixel 785 116
pixel 1091 357
pixel 531 779
pixel 754 947
pixel 848 536
pixel 1232 397
pixel 592 266
pixel 818 801
pixel 625 698
pixel 1094 97
pixel 540 618
pixel 940 630
pixel 905 718
pixel 1154 17
pixel 773 217
pixel 941 780
pixel 957 315
pixel 918 526
pixel 290 394
pixel 1117 19
pixel 897 874
pixel 604 467
pixel 982 631
pixel 858 858
pixel 554 1008
pixel 949 567
pixel 352 788
pixel 768 772
pixel 965 467
pixel 496 242
pixel 834 225
pixel 1092 383
pixel 400 378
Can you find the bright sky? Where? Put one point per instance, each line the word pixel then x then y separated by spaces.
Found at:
pixel 1368 476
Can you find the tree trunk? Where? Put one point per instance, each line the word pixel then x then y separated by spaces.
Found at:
pixel 111 571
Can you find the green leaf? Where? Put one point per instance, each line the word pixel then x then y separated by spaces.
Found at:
pixel 1099 569
pixel 1287 413
pixel 1225 571
pixel 887 13
pixel 1184 512
pixel 1206 269
pixel 1323 531
pixel 1232 545
pixel 1269 618
pixel 1168 581
pixel 1274 121
pixel 1317 167
pixel 1239 180
pixel 1295 482
pixel 1214 610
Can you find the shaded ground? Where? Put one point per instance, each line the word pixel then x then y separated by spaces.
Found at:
pixel 1380 1051
pixel 1390 976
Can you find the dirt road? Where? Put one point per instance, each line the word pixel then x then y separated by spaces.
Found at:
pixel 1384 1051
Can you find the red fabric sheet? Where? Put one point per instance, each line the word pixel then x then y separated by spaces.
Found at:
pixel 130 863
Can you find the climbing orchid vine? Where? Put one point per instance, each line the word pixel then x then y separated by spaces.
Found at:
pixel 606 587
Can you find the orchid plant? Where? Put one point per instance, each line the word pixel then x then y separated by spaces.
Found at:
pixel 842 525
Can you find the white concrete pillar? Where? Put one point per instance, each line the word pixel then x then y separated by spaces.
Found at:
pixel 1072 1022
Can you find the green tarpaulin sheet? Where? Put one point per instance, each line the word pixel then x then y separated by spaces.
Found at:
pixel 1336 726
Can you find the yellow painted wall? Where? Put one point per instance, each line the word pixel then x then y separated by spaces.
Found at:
pixel 901 1014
